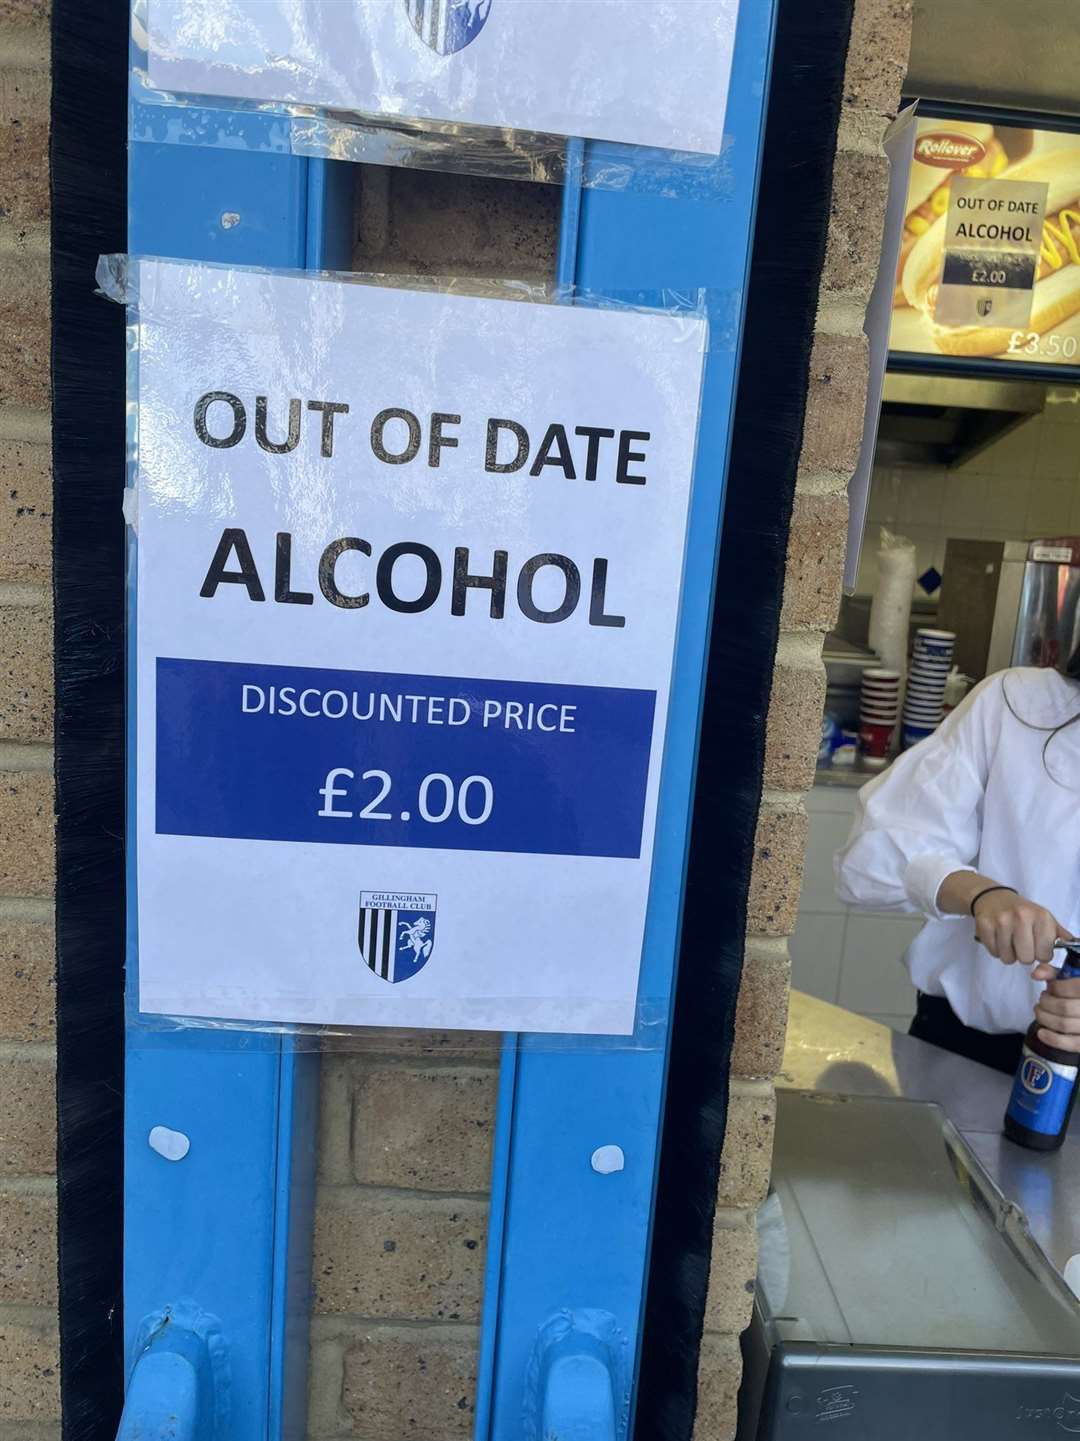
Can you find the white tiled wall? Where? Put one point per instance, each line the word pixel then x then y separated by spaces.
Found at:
pixel 851 958
pixel 1025 485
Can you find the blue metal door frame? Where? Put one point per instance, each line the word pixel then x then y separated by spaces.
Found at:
pixel 228 1227
pixel 566 1238
pixel 218 1243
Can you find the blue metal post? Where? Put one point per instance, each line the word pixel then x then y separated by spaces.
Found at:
pixel 569 1240
pixel 179 1384
pixel 149 1416
pixel 574 1240
pixel 228 1226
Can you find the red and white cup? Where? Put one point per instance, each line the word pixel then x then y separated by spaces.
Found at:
pixel 875 738
pixel 880 688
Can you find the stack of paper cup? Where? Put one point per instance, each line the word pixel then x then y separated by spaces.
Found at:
pixel 890 609
pixel 924 699
pixel 879 708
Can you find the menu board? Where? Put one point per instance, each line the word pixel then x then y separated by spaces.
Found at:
pixel 989 264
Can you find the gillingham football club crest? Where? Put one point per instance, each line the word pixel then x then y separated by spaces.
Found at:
pixel 396 932
pixel 447 26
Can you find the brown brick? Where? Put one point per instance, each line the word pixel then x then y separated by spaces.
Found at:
pixel 776 878
pixel 29 1373
pixel 835 404
pixel 24 155
pixel 856 220
pixel 878 55
pixel 21 16
pixel 416 1045
pixel 793 731
pixel 26 677
pixel 325 1416
pixel 761 1015
pixel 27 980
pixel 28 1252
pixel 747 1155
pixel 335 1121
pixel 732 1273
pixel 27 855
pixel 25 512
pixel 411 1386
pixel 815 562
pixel 427 1130
pixel 24 332
pixel 27 1116
pixel 395 1257
pixel 719 1373
pixel 460 224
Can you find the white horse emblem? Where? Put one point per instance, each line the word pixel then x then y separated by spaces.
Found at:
pixel 475 9
pixel 416 937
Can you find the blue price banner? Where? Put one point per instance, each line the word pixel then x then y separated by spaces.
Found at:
pixel 288 753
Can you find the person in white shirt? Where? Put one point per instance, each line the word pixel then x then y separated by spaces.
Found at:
pixel 977 828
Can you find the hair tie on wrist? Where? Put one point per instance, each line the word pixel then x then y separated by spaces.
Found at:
pixel 976 899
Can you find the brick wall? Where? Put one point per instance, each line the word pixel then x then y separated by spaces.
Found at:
pixel 401 1221
pixel 407 1122
pixel 833 433
pixel 402 1200
pixel 29 1405
pixel 404 1163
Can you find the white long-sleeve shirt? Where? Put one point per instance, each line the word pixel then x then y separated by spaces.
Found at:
pixel 976 795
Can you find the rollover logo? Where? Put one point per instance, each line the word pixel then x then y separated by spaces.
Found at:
pixel 949 150
pixel 1065 1415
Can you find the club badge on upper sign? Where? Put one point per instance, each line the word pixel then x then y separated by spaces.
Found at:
pixel 447 26
pixel 396 932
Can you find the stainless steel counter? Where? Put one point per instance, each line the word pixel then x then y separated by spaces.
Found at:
pixel 835 1051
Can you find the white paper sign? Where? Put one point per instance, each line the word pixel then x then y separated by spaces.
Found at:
pixel 646 72
pixel 408 578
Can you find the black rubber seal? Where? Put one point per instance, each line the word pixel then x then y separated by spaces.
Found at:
pixel 89 203
pixel 805 96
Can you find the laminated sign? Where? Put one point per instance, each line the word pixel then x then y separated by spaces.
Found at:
pixel 645 72
pixel 408 577
pixel 993 230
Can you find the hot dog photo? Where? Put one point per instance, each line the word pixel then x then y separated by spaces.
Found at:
pixel 990 267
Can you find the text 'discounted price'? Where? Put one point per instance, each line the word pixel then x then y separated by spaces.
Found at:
pixel 287 753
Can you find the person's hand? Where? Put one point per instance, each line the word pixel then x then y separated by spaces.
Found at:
pixel 1012 928
pixel 1058 1010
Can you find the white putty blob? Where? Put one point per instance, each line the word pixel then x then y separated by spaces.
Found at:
pixel 607 1159
pixel 173 1145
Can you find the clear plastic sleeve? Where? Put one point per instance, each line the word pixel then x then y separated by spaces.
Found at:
pixel 405 569
pixel 268 75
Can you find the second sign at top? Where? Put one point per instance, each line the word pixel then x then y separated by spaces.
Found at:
pixel 643 72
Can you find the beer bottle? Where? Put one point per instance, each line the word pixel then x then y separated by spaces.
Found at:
pixel 1044 1088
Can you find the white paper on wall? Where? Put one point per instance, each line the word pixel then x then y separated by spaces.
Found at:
pixel 408 570
pixel 643 72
